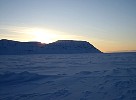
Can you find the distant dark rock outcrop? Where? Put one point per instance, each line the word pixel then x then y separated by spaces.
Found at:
pixel 58 47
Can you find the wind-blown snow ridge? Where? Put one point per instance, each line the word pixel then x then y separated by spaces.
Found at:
pixel 58 47
pixel 68 77
pixel 85 85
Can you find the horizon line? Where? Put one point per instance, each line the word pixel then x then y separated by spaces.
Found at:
pixel 118 51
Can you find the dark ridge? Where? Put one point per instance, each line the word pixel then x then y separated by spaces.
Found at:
pixel 58 47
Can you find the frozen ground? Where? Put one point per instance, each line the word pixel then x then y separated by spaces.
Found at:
pixel 68 77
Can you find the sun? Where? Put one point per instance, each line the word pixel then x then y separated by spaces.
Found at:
pixel 44 36
pixel 48 36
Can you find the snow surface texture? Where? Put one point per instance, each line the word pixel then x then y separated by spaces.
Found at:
pixel 58 47
pixel 68 77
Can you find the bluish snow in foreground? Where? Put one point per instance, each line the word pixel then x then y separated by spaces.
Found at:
pixel 68 77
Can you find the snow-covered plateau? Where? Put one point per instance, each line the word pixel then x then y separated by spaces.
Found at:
pixel 102 76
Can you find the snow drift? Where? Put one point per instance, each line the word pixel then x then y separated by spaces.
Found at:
pixel 68 77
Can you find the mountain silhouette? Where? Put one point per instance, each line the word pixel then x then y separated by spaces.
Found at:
pixel 58 47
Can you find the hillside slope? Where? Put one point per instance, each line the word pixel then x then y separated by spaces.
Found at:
pixel 58 47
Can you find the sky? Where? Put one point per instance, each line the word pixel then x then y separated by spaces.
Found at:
pixel 110 25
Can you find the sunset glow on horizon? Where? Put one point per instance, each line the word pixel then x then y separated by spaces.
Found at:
pixel 108 25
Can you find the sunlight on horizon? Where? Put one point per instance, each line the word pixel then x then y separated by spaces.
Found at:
pixel 44 35
pixel 107 24
pixel 48 36
pixel 39 34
